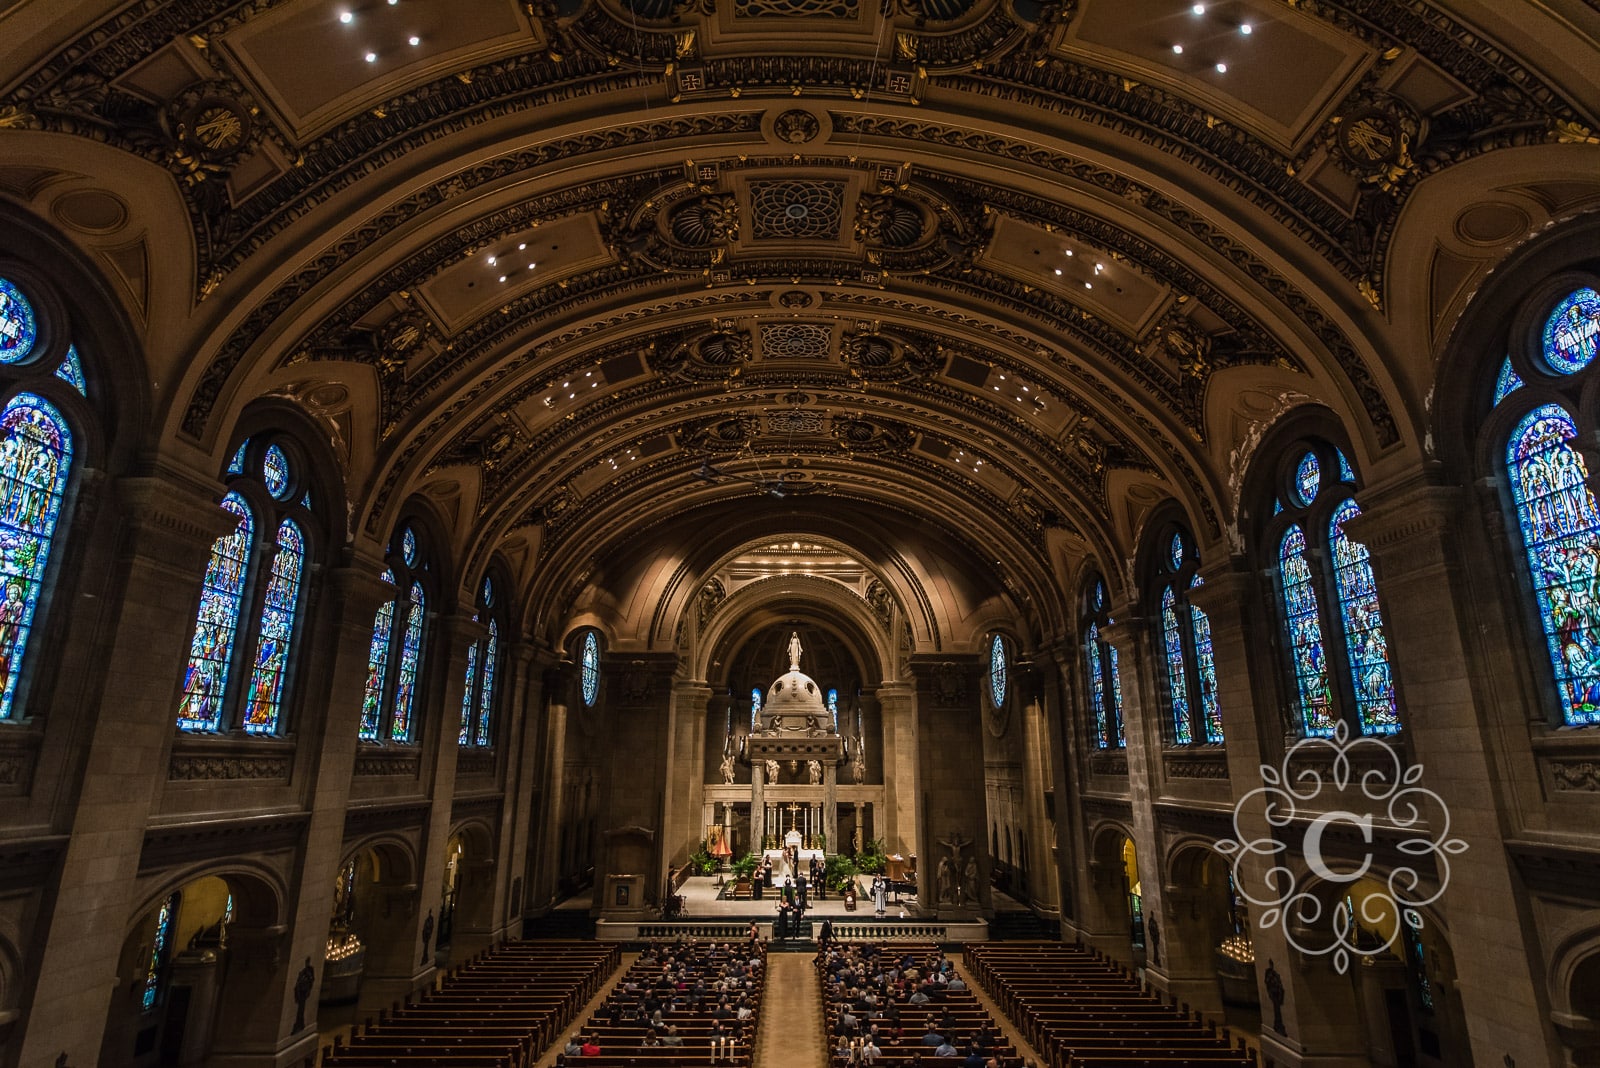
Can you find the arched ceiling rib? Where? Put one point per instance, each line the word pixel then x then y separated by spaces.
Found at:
pixel 975 265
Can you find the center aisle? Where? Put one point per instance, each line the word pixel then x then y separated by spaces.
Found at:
pixel 791 1033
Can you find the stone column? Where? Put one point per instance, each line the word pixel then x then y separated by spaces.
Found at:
pixel 902 812
pixel 555 691
pixel 1308 1011
pixel 168 522
pixel 758 805
pixel 519 734
pixel 830 804
pixel 1141 720
pixel 1068 717
pixel 633 787
pixel 950 728
pixel 685 758
pixel 1409 532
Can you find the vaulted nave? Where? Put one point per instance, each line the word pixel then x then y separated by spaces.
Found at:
pixel 1110 478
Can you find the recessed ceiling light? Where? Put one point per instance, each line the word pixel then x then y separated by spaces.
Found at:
pixel 491 261
pixel 1088 285
pixel 522 246
pixel 531 266
pixel 1177 50
pixel 1199 9
pixel 415 41
pixel 346 17
pixel 372 57
pixel 502 278
pixel 1058 270
pixel 1222 68
pixel 1246 29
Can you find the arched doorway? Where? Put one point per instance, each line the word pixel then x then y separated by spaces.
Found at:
pixel 371 930
pixel 1205 937
pixel 196 954
pixel 467 897
pixel 1115 925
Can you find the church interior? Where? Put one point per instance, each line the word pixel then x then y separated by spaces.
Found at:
pixel 1095 488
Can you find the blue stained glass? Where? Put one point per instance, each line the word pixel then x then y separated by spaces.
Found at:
pixel 408 547
pixel 1206 663
pixel 305 501
pixel 488 594
pixel 1177 676
pixel 491 656
pixel 377 668
pixel 997 671
pixel 465 735
pixel 755 705
pixel 71 371
pixel 1561 535
pixel 405 688
pixel 1508 382
pixel 591 669
pixel 205 680
pixel 18 327
pixel 1365 644
pixel 1097 687
pixel 275 472
pixel 1572 332
pixel 1175 552
pixel 1308 477
pixel 1098 598
pixel 1419 965
pixel 166 919
pixel 1346 472
pixel 1304 623
pixel 1120 738
pixel 35 459
pixel 276 631
pixel 1277 506
pixel 236 465
pixel 833 708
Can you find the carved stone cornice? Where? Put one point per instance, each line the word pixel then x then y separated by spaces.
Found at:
pixel 1195 763
pixel 19 756
pixel 390 762
pixel 195 840
pixel 370 819
pixel 202 759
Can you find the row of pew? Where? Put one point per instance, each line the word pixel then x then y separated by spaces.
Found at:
pixel 499 1010
pixel 957 1014
pixel 1080 1009
pixel 622 1033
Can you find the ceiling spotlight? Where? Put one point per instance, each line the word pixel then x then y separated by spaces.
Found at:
pixel 1199 9
pixel 1222 68
pixel 502 278
pixel 1058 272
pixel 1088 285
pixel 346 17
pixel 392 3
pixel 415 41
pixel 1177 50
pixel 1099 267
pixel 372 57
pixel 1246 29
pixel 522 246
pixel 531 266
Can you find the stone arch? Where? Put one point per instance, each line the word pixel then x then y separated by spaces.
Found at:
pixel 1572 978
pixel 852 618
pixel 466 913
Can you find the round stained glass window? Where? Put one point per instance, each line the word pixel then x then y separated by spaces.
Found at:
pixel 18 327
pixel 1175 552
pixel 275 472
pixel 408 547
pixel 488 594
pixel 1308 478
pixel 591 669
pixel 1572 332
pixel 997 671
pixel 1097 596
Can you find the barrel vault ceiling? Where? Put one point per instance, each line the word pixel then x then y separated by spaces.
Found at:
pixel 997 275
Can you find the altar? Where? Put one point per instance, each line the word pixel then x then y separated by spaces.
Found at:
pixel 793 728
pixel 792 841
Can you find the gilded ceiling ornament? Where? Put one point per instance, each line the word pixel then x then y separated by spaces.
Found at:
pixel 796 127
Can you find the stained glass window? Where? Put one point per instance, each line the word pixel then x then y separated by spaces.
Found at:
pixel 833 708
pixel 465 735
pixel 1417 960
pixel 1177 675
pixel 408 547
pixel 1210 711
pixel 275 472
pixel 1561 535
pixel 1317 715
pixel 591 669
pixel 491 656
pixel 71 371
pixel 405 689
pixel 160 945
pixel 1097 687
pixel 1346 472
pixel 1308 477
pixel 1119 739
pixel 1365 645
pixel 1508 382
pixel 35 459
pixel 18 327
pixel 755 705
pixel 1572 332
pixel 488 593
pixel 1175 552
pixel 1098 598
pixel 997 671
pixel 377 668
pixel 236 465
pixel 205 681
pixel 276 631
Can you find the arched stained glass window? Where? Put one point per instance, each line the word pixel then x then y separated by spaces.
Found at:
pixel 1104 679
pixel 491 657
pixel 1365 645
pixel 1120 739
pixel 160 949
pixel 408 547
pixel 1097 685
pixel 242 653
pixel 483 658
pixel 468 704
pixel 1206 664
pixel 205 680
pixel 1333 624
pixel 998 671
pixel 405 690
pixel 35 460
pixel 19 329
pixel 276 631
pixel 71 371
pixel 755 705
pixel 1177 673
pixel 1561 536
pixel 833 707
pixel 1308 477
pixel 591 669
pixel 1572 332
pixel 1306 649
pixel 377 668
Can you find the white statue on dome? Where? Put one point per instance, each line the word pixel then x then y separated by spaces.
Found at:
pixel 795 649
